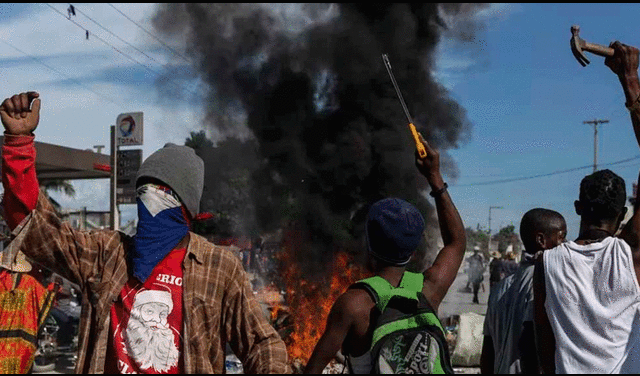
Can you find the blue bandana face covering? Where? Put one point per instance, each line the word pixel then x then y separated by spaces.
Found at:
pixel 161 226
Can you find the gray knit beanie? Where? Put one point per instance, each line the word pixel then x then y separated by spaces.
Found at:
pixel 181 169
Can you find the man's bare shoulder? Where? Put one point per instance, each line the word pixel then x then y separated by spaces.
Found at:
pixel 355 301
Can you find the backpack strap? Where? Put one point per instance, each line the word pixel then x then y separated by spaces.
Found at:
pixel 412 281
pixel 381 290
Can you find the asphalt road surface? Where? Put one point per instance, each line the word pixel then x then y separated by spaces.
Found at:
pixel 458 300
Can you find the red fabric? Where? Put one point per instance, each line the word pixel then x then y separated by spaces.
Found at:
pixel 203 216
pixel 19 178
pixel 160 325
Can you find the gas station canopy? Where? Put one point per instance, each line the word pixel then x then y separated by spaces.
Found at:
pixel 55 162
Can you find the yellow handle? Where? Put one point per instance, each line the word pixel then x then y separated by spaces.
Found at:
pixel 421 150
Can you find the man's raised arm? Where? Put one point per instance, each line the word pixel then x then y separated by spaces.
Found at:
pixel 624 63
pixel 445 267
pixel 20 116
pixel 44 238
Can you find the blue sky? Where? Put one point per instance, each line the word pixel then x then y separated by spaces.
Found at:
pixel 525 95
pixel 527 98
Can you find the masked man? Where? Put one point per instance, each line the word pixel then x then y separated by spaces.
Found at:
pixel 163 301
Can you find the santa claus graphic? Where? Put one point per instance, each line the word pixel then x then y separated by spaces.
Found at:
pixel 149 339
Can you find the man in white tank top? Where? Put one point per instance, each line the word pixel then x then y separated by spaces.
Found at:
pixel 586 292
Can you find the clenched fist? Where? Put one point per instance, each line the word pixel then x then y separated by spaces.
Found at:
pixel 20 114
pixel 430 164
pixel 624 61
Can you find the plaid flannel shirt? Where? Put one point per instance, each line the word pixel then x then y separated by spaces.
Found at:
pixel 218 301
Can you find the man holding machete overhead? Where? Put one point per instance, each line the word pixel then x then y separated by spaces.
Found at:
pixel 394 230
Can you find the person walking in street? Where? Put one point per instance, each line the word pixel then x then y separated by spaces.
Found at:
pixel 495 268
pixel 586 293
pixel 394 229
pixel 509 346
pixel 475 272
pixel 163 301
pixel 509 265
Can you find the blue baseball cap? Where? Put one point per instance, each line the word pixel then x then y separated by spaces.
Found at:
pixel 394 229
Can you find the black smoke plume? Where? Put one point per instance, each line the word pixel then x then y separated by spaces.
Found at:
pixel 306 83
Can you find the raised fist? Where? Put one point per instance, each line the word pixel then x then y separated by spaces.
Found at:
pixel 624 61
pixel 20 114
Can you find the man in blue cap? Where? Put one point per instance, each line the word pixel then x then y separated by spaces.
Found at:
pixel 394 229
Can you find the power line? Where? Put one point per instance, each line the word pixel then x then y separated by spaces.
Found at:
pixel 109 31
pixel 117 50
pixel 60 73
pixel 542 175
pixel 149 33
pixel 102 40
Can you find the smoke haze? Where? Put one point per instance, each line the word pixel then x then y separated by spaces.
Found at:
pixel 305 85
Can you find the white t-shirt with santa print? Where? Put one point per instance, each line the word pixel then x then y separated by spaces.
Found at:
pixel 146 322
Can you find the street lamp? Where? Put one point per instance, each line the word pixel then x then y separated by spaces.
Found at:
pixel 490 208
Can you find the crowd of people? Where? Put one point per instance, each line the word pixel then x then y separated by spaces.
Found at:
pixel 168 301
pixel 573 306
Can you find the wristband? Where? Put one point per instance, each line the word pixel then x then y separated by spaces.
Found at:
pixel 439 192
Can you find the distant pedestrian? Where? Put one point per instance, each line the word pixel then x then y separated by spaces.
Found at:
pixel 475 272
pixel 587 298
pixel 509 265
pixel 495 268
pixel 509 345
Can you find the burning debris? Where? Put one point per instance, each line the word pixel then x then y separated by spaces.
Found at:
pixel 305 86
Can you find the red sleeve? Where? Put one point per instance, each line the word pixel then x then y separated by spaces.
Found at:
pixel 19 178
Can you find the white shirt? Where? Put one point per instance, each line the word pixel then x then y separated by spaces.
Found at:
pixel 593 302
pixel 510 305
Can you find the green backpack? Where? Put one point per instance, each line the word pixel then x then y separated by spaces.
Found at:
pixel 408 336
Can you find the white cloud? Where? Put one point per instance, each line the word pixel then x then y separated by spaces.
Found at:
pixel 456 57
pixel 74 115
pixel 498 10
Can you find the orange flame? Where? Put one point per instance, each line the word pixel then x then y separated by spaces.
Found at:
pixel 310 303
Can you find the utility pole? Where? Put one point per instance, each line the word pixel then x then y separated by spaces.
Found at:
pixel 490 208
pixel 113 202
pixel 595 139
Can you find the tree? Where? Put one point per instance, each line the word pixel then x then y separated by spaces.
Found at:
pixel 229 165
pixel 507 236
pixel 57 185
pixel 477 237
pixel 198 141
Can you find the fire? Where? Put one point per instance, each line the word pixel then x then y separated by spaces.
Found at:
pixel 309 303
